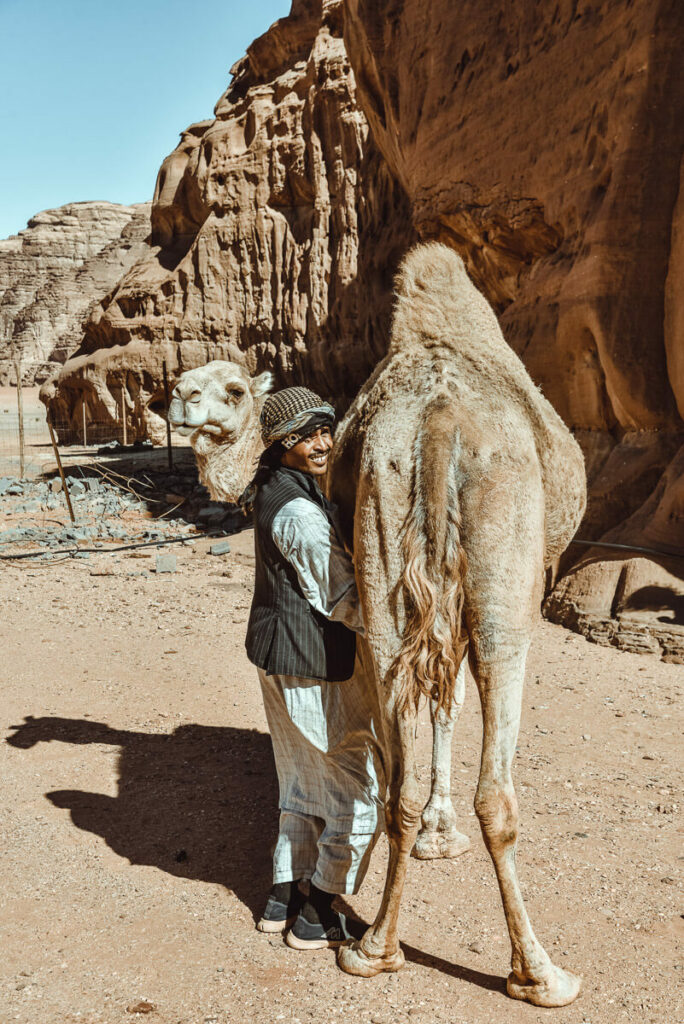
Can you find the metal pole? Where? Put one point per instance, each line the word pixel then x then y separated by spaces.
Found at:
pixel 168 425
pixel 20 408
pixel 59 467
pixel 85 432
pixel 123 417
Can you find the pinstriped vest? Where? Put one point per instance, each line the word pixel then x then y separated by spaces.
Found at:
pixel 285 634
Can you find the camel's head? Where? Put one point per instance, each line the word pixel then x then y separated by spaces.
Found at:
pixel 218 406
pixel 220 399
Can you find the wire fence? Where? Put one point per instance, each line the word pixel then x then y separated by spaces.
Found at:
pixel 26 448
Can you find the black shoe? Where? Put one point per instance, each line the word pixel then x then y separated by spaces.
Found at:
pixel 318 926
pixel 284 903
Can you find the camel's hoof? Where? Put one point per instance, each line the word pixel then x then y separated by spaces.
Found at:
pixel 352 959
pixel 433 845
pixel 558 989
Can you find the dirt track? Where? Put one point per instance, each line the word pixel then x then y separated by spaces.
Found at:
pixel 135 845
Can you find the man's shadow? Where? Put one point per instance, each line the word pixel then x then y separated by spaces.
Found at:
pixel 200 803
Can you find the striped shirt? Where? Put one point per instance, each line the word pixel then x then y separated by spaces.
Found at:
pixel 305 537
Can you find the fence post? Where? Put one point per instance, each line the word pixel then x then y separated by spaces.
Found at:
pixel 20 406
pixel 85 432
pixel 123 417
pixel 60 467
pixel 168 425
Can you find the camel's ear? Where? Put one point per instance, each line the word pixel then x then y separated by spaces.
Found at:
pixel 261 384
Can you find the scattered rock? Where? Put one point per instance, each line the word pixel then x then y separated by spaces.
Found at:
pixel 141 1007
pixel 165 563
pixel 220 548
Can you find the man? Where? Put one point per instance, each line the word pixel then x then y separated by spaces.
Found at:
pixel 321 715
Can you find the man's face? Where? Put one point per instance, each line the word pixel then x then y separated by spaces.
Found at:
pixel 311 454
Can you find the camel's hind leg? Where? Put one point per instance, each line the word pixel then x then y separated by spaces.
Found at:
pixel 499 676
pixel 438 836
pixel 379 948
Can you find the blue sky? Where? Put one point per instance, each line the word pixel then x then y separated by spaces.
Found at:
pixel 95 94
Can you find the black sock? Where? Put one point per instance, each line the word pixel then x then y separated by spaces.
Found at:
pixel 317 909
pixel 284 891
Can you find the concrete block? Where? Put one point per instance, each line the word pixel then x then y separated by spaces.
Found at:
pixel 220 548
pixel 165 563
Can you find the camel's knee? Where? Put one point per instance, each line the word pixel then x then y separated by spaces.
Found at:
pixel 497 809
pixel 402 815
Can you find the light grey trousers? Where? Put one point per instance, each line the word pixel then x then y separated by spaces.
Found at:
pixel 331 778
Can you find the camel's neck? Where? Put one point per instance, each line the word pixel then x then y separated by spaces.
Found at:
pixel 226 467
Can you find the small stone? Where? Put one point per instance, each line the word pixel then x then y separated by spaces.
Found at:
pixel 221 548
pixel 56 484
pixel 165 563
pixel 586 736
pixel 14 489
pixel 77 488
pixel 475 947
pixel 141 1007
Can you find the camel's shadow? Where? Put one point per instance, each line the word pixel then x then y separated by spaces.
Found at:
pixel 199 803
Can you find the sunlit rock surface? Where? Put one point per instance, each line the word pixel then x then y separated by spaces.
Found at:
pixel 53 272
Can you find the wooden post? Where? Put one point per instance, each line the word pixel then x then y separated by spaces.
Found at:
pixel 168 425
pixel 85 432
pixel 60 468
pixel 20 407
pixel 123 417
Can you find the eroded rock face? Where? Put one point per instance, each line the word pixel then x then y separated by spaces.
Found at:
pixel 276 231
pixel 51 274
pixel 544 142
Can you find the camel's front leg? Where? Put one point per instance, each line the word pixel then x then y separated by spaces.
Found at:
pixel 438 836
pixel 534 977
pixel 379 948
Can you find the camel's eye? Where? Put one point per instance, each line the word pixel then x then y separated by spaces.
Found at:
pixel 236 393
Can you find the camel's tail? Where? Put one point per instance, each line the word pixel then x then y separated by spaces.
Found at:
pixel 433 644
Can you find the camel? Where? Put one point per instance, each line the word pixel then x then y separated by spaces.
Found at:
pixel 459 486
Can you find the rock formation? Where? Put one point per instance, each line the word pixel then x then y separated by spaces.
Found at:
pixel 51 274
pixel 545 144
pixel 276 231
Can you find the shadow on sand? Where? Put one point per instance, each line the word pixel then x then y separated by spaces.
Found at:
pixel 199 803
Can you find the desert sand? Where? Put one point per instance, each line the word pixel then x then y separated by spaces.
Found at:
pixel 139 807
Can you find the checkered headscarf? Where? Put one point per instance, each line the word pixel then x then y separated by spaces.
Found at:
pixel 290 415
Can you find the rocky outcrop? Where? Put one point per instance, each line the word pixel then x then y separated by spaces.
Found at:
pixel 276 230
pixel 51 274
pixel 544 142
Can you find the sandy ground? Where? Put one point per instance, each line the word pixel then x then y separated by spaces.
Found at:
pixel 139 808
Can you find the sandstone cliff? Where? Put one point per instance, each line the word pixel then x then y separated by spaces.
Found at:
pixel 545 142
pixel 51 274
pixel 276 231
